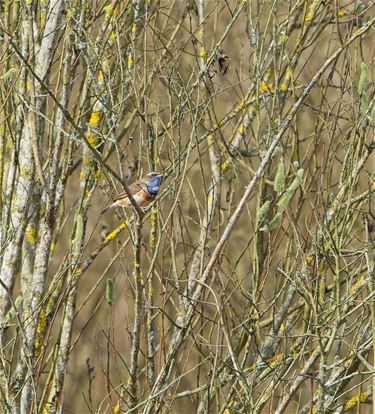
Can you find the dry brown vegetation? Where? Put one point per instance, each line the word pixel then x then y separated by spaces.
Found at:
pixel 248 286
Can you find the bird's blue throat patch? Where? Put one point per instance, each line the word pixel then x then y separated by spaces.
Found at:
pixel 154 185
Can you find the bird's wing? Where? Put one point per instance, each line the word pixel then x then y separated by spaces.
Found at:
pixel 133 188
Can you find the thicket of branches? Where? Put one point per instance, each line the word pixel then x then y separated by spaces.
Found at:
pixel 248 286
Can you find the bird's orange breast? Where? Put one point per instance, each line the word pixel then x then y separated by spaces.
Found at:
pixel 147 197
pixel 142 198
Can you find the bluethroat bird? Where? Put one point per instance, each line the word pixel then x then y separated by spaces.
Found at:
pixel 144 192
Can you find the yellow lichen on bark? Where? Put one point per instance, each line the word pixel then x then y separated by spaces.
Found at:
pixel 32 235
pixel 357 399
pixel 113 234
